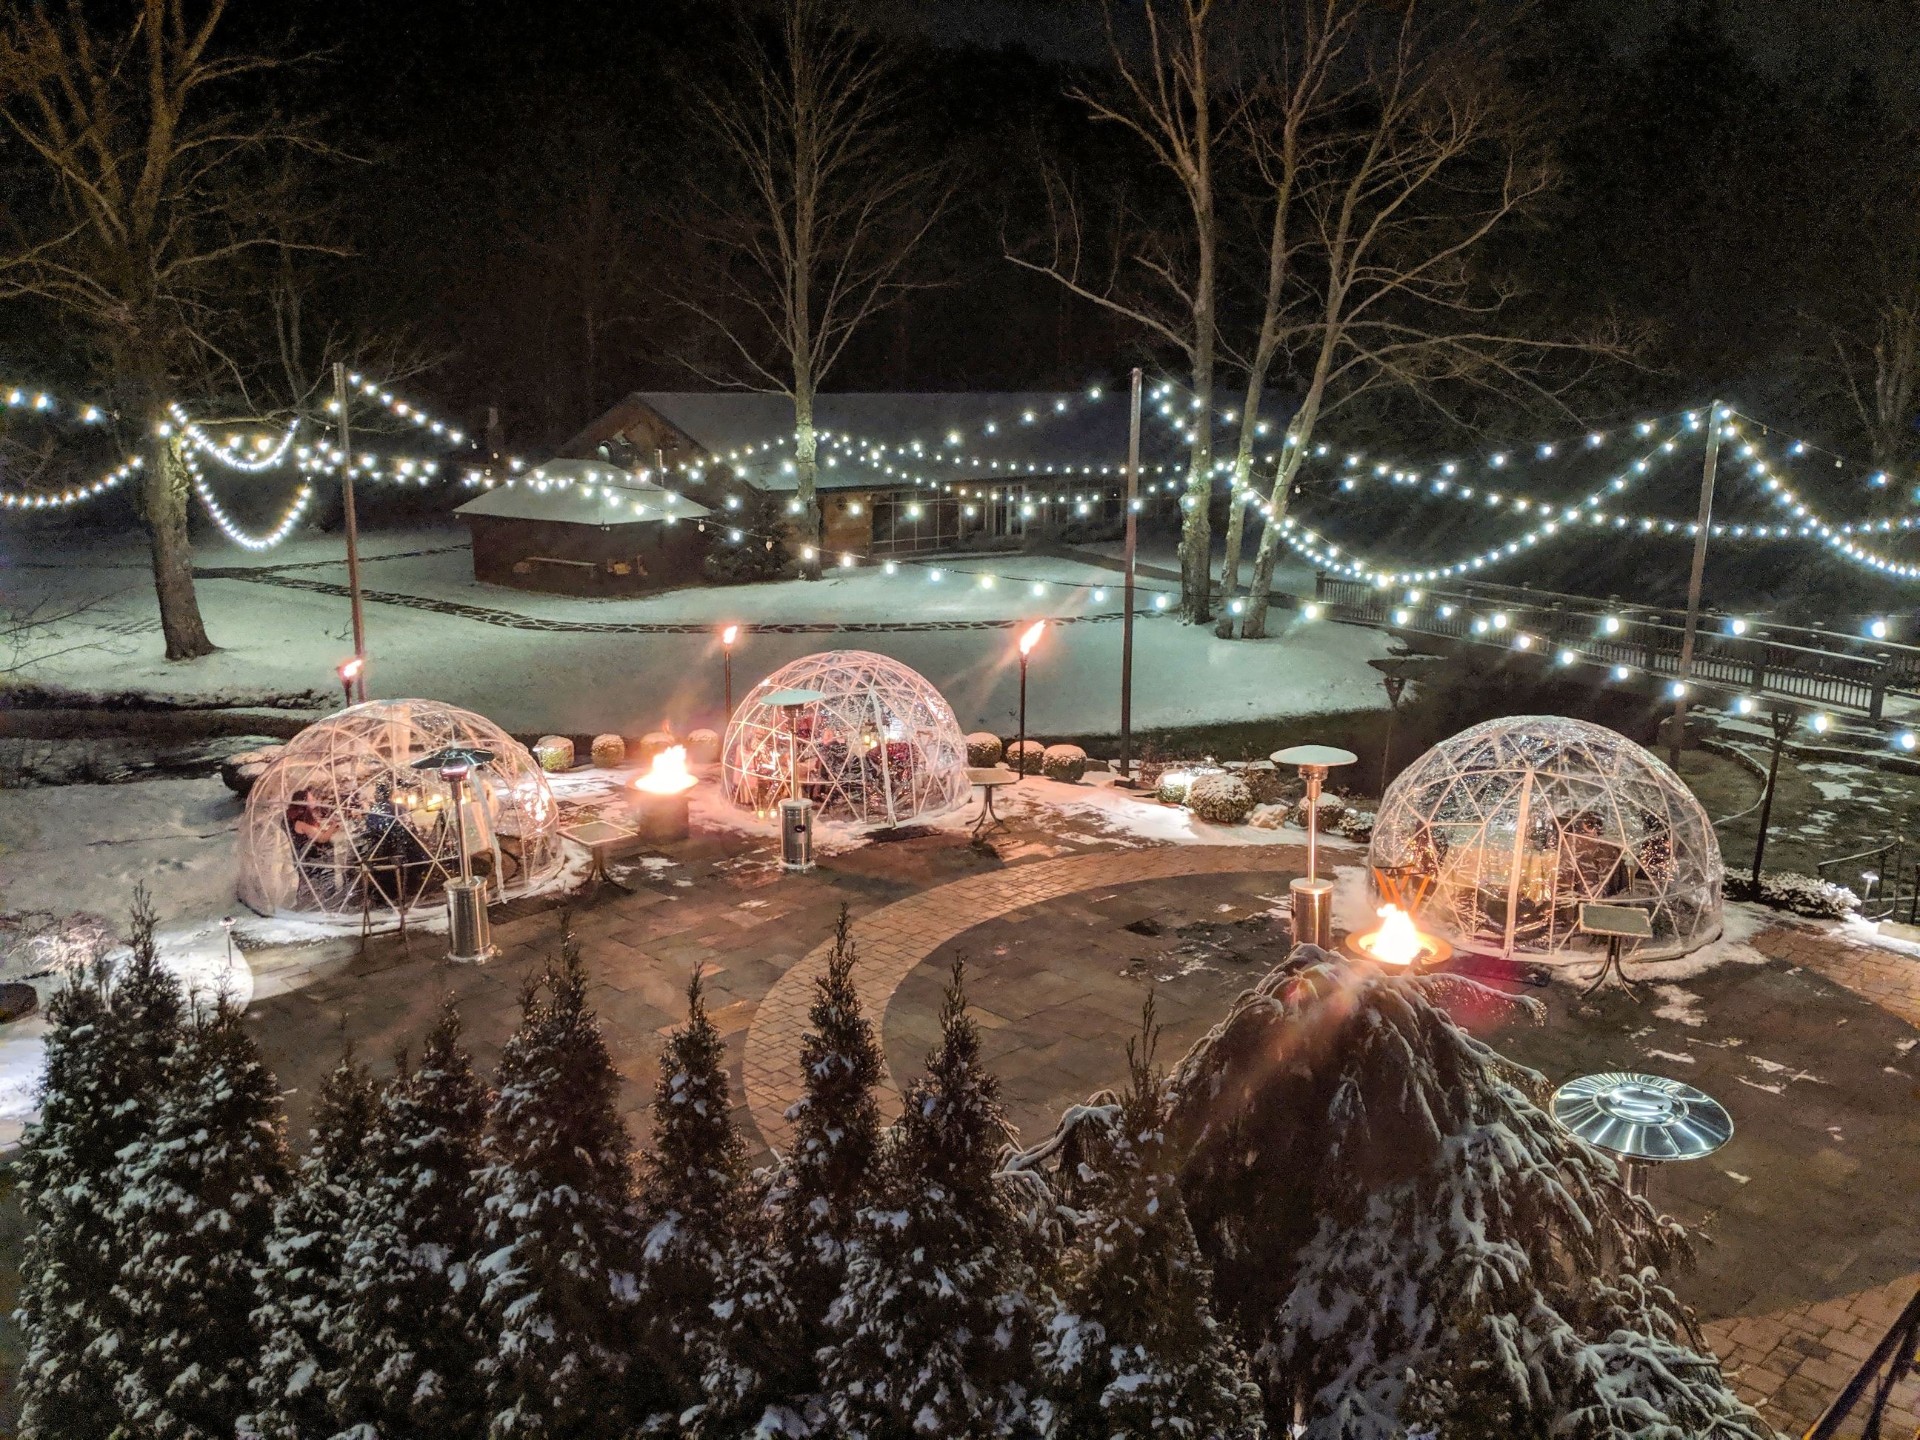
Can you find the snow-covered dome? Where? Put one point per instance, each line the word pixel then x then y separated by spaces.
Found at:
pixel 881 748
pixel 341 823
pixel 1516 821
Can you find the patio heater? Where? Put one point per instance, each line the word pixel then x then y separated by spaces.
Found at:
pixel 1642 1120
pixel 469 937
pixel 796 811
pixel 1312 897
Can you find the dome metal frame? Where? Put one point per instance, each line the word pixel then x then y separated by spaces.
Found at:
pixel 881 747
pixel 341 826
pixel 1517 821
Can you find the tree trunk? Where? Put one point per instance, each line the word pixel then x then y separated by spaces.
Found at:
pixel 1239 493
pixel 806 465
pixel 1196 530
pixel 163 493
pixel 1293 452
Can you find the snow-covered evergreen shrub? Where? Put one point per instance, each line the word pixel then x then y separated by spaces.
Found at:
pixel 1065 763
pixel 609 751
pixel 301 1287
pixel 694 1205
pixel 703 747
pixel 651 744
pixel 1024 756
pixel 1173 783
pixel 1354 824
pixel 409 1338
pixel 1220 799
pixel 1424 1248
pixel 984 749
pixel 115 1027
pixel 778 1298
pixel 554 752
pixel 559 1243
pixel 1807 895
pixel 1132 1346
pixel 1267 783
pixel 931 1332
pixel 1330 807
pixel 196 1202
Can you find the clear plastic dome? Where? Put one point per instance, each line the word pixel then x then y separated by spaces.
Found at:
pixel 340 824
pixel 881 748
pixel 1515 822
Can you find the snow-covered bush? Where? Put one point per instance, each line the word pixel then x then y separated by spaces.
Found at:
pixel 703 747
pixel 1807 895
pixel 1024 756
pixel 984 749
pixel 554 752
pixel 651 744
pixel 1065 763
pixel 1267 783
pixel 609 751
pixel 1330 807
pixel 1176 780
pixel 1220 799
pixel 1354 824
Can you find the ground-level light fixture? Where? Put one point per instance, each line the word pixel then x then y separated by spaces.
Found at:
pixel 350 672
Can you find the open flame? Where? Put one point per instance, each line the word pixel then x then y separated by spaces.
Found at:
pixel 1397 941
pixel 668 775
pixel 1031 636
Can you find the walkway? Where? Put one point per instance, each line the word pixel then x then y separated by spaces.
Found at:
pixel 893 940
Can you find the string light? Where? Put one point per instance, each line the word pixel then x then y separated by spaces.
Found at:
pixel 302 497
pixel 66 499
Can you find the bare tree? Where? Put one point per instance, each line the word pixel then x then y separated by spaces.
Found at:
pixel 1164 279
pixel 1423 160
pixel 1872 340
pixel 160 174
pixel 824 207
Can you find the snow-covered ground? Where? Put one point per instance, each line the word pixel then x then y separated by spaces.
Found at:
pixel 277 640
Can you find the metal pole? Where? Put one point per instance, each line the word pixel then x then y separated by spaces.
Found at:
pixel 1704 524
pixel 1126 618
pixel 353 527
pixel 1766 798
pixel 726 653
pixel 1020 770
pixel 460 828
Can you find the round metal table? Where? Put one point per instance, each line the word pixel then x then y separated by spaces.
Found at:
pixel 1642 1120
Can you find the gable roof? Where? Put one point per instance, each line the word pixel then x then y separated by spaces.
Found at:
pixel 583 492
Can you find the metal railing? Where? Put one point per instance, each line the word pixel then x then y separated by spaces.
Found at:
pixel 1873 1383
pixel 1877 876
pixel 1797 663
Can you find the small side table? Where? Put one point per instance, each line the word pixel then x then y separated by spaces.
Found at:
pixel 1642 1120
pixel 601 839
pixel 988 779
pixel 1616 923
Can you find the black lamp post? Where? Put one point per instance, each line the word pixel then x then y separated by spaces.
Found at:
pixel 727 637
pixel 1782 722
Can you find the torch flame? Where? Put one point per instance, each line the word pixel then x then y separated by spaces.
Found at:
pixel 1397 941
pixel 730 634
pixel 1031 637
pixel 668 775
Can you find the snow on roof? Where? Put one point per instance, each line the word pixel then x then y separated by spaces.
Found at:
pixel 583 492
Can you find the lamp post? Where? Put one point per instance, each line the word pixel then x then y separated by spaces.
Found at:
pixel 727 637
pixel 1782 722
pixel 352 523
pixel 1029 638
pixel 1313 897
pixel 1126 608
pixel 350 670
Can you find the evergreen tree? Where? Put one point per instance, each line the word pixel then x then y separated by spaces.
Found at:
pixel 301 1288
pixel 777 1303
pixel 1419 1245
pixel 695 1205
pixel 559 1234
pixel 1133 1349
pixel 115 1024
pixel 196 1202
pixel 929 1331
pixel 409 1338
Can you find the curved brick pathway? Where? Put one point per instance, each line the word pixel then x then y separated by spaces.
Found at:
pixel 895 938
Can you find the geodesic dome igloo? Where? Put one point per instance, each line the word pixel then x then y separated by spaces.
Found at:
pixel 1516 821
pixel 882 748
pixel 341 824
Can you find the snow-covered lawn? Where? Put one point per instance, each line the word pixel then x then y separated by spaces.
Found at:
pixel 278 640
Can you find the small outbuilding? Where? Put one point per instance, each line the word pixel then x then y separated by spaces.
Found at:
pixel 585 527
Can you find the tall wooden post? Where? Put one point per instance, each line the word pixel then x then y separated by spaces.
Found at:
pixel 1702 527
pixel 1126 618
pixel 353 530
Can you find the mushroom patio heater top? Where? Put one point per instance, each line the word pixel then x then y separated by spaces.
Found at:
pixel 1643 1120
pixel 1312 896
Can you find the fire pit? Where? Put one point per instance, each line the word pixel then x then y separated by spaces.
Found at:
pixel 1398 944
pixel 660 796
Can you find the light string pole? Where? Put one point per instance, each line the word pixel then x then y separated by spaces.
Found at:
pixel 1029 638
pixel 1704 527
pixel 353 529
pixel 1126 609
